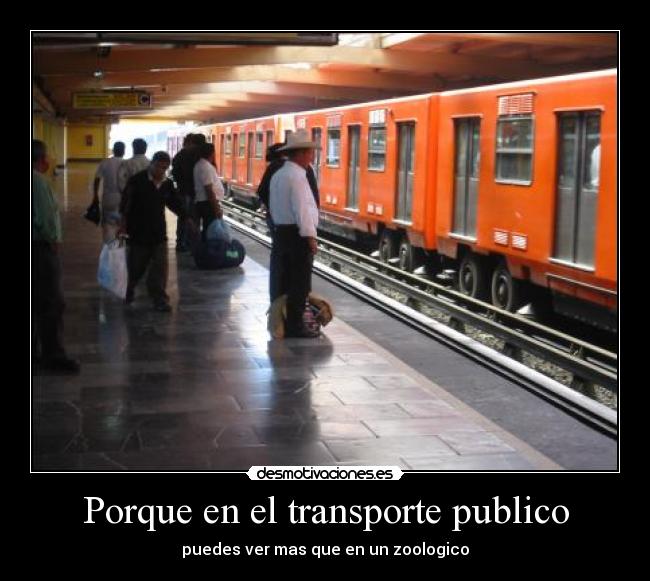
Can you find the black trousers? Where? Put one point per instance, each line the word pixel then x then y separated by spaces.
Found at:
pixel 275 271
pixel 47 302
pixel 181 228
pixel 290 272
pixel 139 258
pixel 204 212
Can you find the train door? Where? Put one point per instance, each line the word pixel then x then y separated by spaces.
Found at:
pixel 316 136
pixel 235 151
pixel 250 152
pixel 354 140
pixel 577 187
pixel 221 153
pixel 405 171
pixel 466 175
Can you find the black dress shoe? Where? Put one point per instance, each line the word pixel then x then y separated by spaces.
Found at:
pixel 61 364
pixel 303 333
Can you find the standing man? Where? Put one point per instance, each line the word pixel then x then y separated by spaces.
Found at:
pixel 136 164
pixel 275 161
pixel 295 216
pixel 143 220
pixel 276 158
pixel 107 172
pixel 183 173
pixel 47 290
pixel 208 189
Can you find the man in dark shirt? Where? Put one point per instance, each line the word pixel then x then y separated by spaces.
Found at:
pixel 183 174
pixel 143 220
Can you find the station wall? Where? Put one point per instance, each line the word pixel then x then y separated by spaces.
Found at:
pixel 87 142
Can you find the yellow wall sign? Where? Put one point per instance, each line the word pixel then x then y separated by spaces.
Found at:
pixel 121 100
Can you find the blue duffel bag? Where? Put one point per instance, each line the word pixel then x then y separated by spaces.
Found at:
pixel 214 254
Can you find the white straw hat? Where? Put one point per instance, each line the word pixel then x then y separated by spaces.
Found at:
pixel 299 140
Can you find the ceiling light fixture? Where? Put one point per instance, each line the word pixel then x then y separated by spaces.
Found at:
pixel 300 66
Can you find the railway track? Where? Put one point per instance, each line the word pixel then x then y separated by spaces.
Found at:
pixel 508 343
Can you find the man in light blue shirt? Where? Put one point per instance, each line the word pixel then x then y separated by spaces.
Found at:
pixel 47 290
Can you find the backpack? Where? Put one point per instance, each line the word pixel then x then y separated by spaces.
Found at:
pixel 215 254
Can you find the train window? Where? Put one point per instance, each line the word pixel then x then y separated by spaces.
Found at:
pixel 259 145
pixel 591 177
pixel 269 138
pixel 333 147
pixel 249 157
pixel 316 134
pixel 514 163
pixel 242 145
pixel 377 148
pixel 222 140
pixel 229 144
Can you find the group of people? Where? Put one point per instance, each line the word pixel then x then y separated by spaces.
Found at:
pixel 135 194
pixel 195 172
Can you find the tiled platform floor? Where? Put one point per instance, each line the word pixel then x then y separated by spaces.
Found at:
pixel 203 388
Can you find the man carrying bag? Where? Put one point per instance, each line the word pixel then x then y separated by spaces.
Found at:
pixel 143 221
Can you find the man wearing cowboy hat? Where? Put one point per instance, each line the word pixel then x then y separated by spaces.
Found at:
pixel 295 215
pixel 276 160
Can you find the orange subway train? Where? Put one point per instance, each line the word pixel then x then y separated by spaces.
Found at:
pixel 511 187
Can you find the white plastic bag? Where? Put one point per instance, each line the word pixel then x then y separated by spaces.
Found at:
pixel 219 230
pixel 112 274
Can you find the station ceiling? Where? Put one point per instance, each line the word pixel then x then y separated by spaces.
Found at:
pixel 210 77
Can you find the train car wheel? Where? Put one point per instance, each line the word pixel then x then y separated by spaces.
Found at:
pixel 387 246
pixel 473 277
pixel 507 292
pixel 406 255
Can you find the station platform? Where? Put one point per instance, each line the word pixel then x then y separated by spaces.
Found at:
pixel 205 388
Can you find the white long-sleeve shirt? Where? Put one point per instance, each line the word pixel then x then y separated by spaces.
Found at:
pixel 291 199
